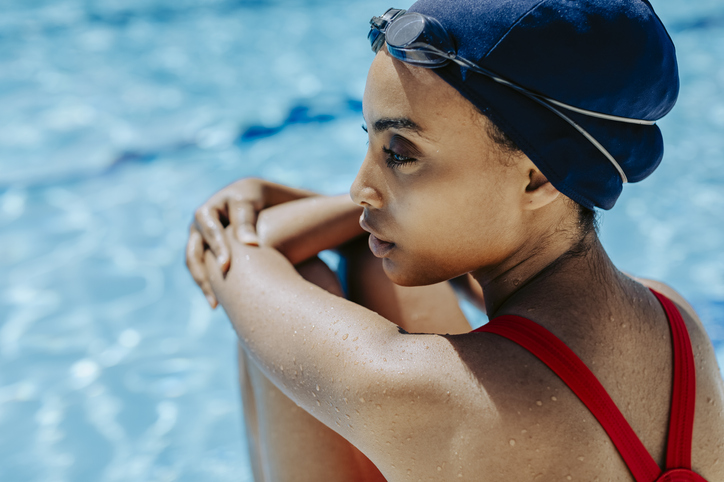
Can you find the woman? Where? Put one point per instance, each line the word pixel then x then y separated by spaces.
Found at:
pixel 495 129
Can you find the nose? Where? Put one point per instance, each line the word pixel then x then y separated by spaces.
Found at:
pixel 363 190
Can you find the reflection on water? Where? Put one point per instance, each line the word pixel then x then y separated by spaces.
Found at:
pixel 119 118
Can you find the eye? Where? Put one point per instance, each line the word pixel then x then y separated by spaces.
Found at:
pixel 395 160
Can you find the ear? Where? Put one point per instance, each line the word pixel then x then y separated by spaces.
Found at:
pixel 539 192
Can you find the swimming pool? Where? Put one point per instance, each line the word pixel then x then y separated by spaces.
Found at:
pixel 119 117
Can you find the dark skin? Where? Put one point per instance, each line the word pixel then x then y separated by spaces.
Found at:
pixel 469 406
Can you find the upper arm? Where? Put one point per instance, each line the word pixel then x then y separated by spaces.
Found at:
pixel 412 387
pixel 346 365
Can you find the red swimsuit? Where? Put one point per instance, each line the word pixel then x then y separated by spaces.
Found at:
pixel 574 373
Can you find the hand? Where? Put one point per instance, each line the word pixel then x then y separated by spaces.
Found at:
pixel 249 266
pixel 238 204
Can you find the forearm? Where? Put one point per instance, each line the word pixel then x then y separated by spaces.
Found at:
pixel 279 194
pixel 300 229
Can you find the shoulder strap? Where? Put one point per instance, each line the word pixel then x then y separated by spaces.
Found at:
pixel 683 401
pixel 574 373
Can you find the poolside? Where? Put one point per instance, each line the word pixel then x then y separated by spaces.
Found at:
pixel 120 118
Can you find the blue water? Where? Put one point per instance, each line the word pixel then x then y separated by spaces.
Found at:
pixel 119 117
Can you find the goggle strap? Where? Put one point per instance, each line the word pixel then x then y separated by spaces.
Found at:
pixel 546 102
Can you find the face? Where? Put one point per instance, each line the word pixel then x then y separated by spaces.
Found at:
pixel 437 199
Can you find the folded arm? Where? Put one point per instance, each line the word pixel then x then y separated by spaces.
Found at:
pixel 302 228
pixel 299 231
pixel 346 365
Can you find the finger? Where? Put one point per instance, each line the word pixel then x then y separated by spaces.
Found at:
pixel 194 256
pixel 243 216
pixel 196 265
pixel 212 231
pixel 214 271
pixel 209 294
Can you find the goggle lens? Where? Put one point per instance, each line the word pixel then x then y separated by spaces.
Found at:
pixel 412 37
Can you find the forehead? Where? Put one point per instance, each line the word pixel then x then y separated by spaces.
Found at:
pixel 398 90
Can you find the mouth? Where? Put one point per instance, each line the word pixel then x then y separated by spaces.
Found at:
pixel 379 247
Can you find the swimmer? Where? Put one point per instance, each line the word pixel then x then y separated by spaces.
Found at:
pixel 495 130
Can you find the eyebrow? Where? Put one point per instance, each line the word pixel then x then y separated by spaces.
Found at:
pixel 401 123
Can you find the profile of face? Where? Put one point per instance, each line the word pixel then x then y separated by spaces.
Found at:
pixel 438 199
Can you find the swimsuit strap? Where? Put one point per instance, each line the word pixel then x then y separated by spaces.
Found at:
pixel 683 398
pixel 574 373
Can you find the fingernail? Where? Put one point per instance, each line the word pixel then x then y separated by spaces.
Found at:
pixel 248 237
pixel 211 300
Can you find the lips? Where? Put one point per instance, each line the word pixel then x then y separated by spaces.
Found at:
pixel 379 247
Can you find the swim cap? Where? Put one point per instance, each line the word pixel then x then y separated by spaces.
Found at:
pixel 608 56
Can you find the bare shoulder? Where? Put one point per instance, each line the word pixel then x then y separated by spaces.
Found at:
pixel 670 293
pixel 709 420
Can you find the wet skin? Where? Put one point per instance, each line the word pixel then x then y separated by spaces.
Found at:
pixel 466 407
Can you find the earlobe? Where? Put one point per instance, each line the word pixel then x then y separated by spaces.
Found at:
pixel 539 192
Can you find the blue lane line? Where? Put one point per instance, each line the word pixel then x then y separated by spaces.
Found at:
pixel 299 114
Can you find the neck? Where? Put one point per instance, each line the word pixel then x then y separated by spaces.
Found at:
pixel 567 265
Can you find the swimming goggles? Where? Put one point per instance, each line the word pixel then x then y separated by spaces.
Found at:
pixel 421 40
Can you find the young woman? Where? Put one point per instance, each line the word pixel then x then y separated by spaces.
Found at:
pixel 495 129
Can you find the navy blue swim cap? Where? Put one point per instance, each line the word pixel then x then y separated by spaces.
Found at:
pixel 608 56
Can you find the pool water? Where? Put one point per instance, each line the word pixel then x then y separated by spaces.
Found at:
pixel 119 118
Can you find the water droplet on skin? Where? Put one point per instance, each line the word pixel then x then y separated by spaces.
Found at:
pixel 554 399
pixel 568 477
pixel 524 431
pixel 345 400
pixel 409 471
pixel 460 475
pixel 317 387
pixel 379 407
pixel 581 459
pixel 361 399
pixel 318 403
pixel 539 403
pixel 346 335
pixel 337 354
pixel 439 469
pixel 512 442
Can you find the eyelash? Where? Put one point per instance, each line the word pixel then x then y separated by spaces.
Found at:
pixel 391 161
pixel 395 160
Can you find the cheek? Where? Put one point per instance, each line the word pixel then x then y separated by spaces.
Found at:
pixel 441 237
